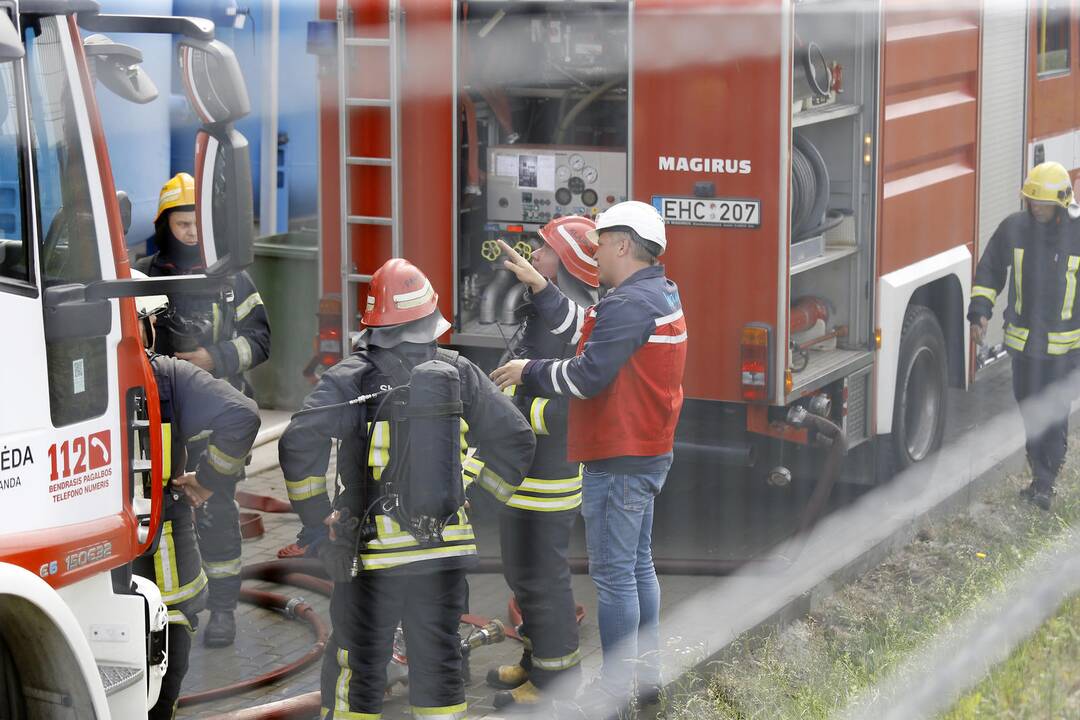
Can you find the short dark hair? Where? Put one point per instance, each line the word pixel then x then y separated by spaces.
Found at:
pixel 642 249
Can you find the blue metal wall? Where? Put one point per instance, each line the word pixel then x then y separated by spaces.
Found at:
pixel 150 143
pixel 298 83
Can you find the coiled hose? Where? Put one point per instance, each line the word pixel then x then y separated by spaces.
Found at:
pixel 810 188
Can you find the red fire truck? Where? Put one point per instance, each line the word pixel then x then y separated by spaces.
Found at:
pixel 80 432
pixel 828 172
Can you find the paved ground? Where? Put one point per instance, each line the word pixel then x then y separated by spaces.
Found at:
pixel 716 506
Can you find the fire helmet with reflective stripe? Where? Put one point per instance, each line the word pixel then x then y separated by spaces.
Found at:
pixel 398 293
pixel 568 237
pixel 179 191
pixel 1049 182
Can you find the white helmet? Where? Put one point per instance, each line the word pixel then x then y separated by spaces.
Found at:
pixel 149 304
pixel 640 217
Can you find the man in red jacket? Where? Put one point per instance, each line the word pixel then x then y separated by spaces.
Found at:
pixel 625 389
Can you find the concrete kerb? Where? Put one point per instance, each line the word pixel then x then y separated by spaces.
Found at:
pixel 264 454
pixel 274 423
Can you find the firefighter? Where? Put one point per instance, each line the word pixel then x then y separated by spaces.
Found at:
pixel 534 528
pixel 192 402
pixel 396 540
pixel 1041 245
pixel 225 334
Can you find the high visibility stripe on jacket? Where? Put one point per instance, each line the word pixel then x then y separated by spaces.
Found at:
pixel 1016 337
pixel 166 452
pixel 179 580
pixel 543 494
pixel 1070 287
pixel 1061 343
pixel 547 495
pixel 1018 279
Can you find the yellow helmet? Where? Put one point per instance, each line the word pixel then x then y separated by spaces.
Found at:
pixel 1049 182
pixel 178 192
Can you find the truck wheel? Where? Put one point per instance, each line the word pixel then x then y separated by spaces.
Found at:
pixel 921 379
pixel 12 703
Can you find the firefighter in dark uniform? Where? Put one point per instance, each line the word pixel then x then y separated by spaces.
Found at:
pixel 396 540
pixel 192 402
pixel 225 334
pixel 535 526
pixel 1041 246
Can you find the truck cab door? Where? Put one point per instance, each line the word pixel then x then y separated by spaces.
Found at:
pixel 63 404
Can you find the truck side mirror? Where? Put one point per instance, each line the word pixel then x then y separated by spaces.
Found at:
pixel 11 47
pixel 212 81
pixel 70 315
pixel 117 67
pixel 223 191
pixel 224 203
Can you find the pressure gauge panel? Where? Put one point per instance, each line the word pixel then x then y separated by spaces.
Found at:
pixel 534 184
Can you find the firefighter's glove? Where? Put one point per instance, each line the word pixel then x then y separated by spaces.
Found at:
pixel 339 553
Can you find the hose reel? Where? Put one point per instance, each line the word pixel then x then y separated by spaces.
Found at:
pixel 810 188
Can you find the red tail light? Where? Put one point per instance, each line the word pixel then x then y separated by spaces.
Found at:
pixel 755 357
pixel 328 346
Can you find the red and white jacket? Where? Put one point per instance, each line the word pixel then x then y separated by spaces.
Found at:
pixel 625 383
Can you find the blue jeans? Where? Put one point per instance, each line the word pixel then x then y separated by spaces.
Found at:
pixel 618 513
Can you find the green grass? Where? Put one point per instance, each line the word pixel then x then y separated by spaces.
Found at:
pixel 861 634
pixel 1041 679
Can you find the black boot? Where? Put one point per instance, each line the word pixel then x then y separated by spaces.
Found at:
pixel 1039 493
pixel 221 630
pixel 1043 497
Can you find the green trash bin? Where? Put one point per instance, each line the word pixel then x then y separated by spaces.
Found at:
pixel 286 272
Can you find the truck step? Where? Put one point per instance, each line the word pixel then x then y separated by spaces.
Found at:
pixel 115 678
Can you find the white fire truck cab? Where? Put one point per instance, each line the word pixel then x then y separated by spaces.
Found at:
pixel 80 439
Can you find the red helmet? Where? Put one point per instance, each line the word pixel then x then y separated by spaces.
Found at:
pixel 398 293
pixel 567 237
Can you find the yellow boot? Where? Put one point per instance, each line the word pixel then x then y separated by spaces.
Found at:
pixel 524 696
pixel 507 677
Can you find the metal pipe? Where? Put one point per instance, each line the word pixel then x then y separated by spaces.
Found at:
pixel 581 105
pixel 493 293
pixel 512 301
pixel 269 150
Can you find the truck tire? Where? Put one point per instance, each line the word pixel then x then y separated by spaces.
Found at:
pixel 921 382
pixel 12 703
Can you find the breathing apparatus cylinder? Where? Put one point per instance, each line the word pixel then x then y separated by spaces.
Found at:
pixel 429 483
